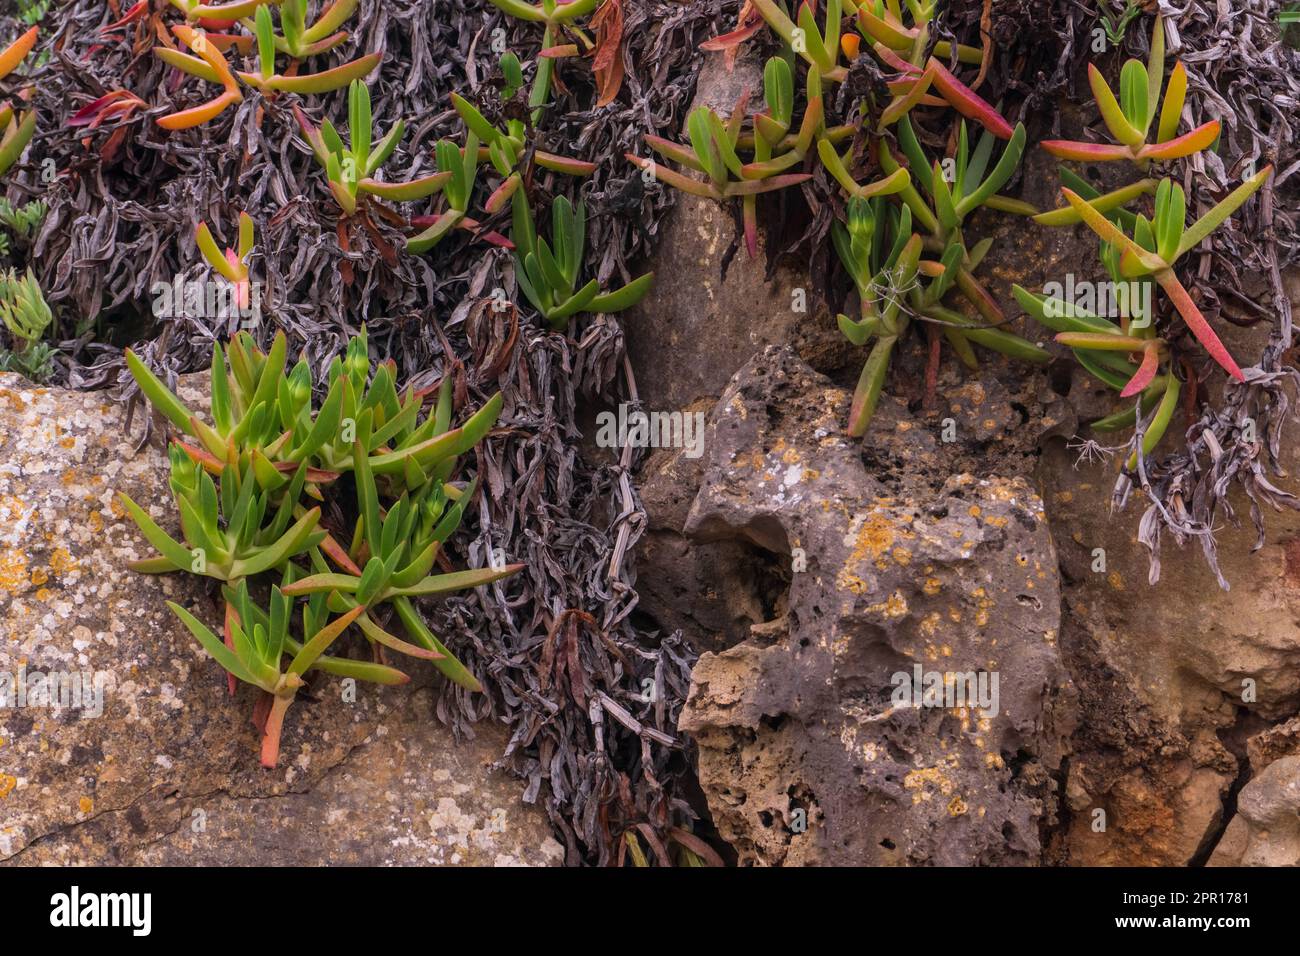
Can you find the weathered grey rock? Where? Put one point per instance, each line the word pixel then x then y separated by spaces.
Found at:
pixel 372 781
pixel 797 722
pixel 1266 829
pixel 699 323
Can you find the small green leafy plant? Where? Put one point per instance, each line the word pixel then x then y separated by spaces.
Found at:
pixel 713 153
pixel 210 64
pixel 548 272
pixel 26 315
pixel 233 263
pixel 258 641
pixel 1157 244
pixel 351 168
pixel 883 256
pixel 239 497
pixel 1129 118
pixel 16 129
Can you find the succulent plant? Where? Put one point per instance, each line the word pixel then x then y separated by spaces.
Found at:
pixel 401 546
pixel 885 22
pixel 1111 205
pixel 713 153
pixel 24 220
pixel 299 40
pixel 233 263
pixel 904 49
pixel 775 143
pixel 882 255
pixel 507 148
pixel 556 16
pixel 26 315
pixel 258 641
pixel 460 167
pixel 263 417
pixel 1129 117
pixel 211 65
pixel 351 168
pixel 1156 245
pixel 1099 346
pixel 819 46
pixel 218 13
pixel 32 12
pixel 553 13
pixel 548 272
pixel 16 129
pixel 241 516
pixel 944 213
pixel 229 533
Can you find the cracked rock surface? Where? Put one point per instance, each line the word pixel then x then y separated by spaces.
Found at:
pixel 169 772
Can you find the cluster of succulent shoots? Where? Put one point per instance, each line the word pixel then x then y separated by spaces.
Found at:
pixel 560 19
pixel 248 487
pixel 1134 248
pixel 295 40
pixel 353 169
pixel 900 237
pixel 16 128
pixel 26 315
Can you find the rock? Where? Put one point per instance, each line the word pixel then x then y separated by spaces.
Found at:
pixel 718 317
pixel 803 754
pixel 1266 829
pixel 378 778
pixel 1167 673
pixel 1280 740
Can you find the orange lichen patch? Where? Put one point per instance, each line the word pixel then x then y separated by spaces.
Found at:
pixel 13 398
pixel 68 442
pixel 811 474
pixel 1116 580
pixel 62 562
pixel 115 507
pixel 13 571
pixel 39 576
pixel 902 556
pixel 925 780
pixel 874 538
pixel 96 522
pixel 44 594
pixel 932 586
pixel 7 784
pixel 982 604
pixel 1064 497
pixel 69 476
pixel 893 606
pixel 994 761
pixel 956 806
pixel 975 511
pixel 85 804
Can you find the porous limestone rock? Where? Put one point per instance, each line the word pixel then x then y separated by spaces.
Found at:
pixel 804 754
